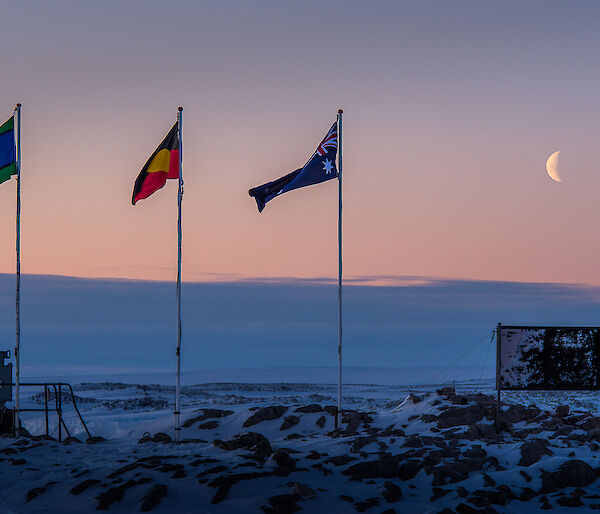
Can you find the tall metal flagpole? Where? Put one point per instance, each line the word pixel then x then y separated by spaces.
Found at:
pixel 178 353
pixel 339 399
pixel 18 292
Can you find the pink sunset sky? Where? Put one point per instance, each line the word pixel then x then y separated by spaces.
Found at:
pixel 450 112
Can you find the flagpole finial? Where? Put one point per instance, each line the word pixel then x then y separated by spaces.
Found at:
pixel 340 111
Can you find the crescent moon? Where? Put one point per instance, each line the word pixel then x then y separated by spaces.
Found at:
pixel 553 166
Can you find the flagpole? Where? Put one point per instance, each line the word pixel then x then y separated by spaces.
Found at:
pixel 178 353
pixel 339 399
pixel 18 291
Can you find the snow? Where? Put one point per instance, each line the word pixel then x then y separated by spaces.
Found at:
pixel 122 412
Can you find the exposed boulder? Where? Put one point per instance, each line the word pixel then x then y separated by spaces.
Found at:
pixel 392 493
pixel 252 441
pixel 282 459
pixel 533 451
pixel 572 473
pixel 153 497
pixel 450 472
pixel 289 422
pixel 283 504
pixel 383 468
pixel 265 414
pixel 309 409
pixel 206 414
pixel 456 416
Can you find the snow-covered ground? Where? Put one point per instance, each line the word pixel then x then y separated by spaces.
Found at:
pixel 401 448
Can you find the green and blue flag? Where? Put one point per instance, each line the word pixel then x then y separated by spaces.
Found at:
pixel 8 155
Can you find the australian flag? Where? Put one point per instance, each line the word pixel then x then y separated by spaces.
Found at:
pixel 319 168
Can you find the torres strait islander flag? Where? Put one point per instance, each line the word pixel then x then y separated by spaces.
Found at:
pixel 8 159
pixel 319 168
pixel 163 164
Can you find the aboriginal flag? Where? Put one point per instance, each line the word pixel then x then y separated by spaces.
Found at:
pixel 163 164
pixel 319 168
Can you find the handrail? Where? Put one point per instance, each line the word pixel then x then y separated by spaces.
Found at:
pixel 57 386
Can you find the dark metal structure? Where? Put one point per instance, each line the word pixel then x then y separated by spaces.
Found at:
pixel 57 389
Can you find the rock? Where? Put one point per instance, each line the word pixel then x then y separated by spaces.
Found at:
pixel 518 413
pixel 94 440
pixel 36 491
pixel 569 501
pixel 284 503
pixel 492 497
pixel 527 494
pixel 330 409
pixel 488 481
pixel 456 416
pixel 313 455
pixel 224 482
pixel 249 441
pixel 532 451
pixel 340 460
pixel 112 495
pixel 289 422
pixel 153 497
pixel 282 459
pixel 409 469
pixel 562 411
pixel 303 490
pixel 450 472
pixel 265 414
pixel 572 473
pixel 438 493
pixel 392 492
pixel 70 440
pixel 161 437
pixel 366 504
pixel 206 414
pixel 476 452
pixel 354 419
pixel 346 498
pixel 209 425
pixel 321 422
pixel 413 398
pixel 462 492
pixel 413 441
pixel 310 409
pixel 384 468
pixel 82 486
pixel 525 476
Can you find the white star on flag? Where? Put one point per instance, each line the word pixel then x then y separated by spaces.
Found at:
pixel 327 166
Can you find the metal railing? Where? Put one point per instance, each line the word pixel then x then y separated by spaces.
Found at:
pixel 57 388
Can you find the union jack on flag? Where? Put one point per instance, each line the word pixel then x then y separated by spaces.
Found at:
pixel 319 168
pixel 329 142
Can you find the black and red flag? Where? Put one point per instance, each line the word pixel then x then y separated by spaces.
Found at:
pixel 163 164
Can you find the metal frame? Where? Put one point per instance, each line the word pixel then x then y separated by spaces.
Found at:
pixel 57 387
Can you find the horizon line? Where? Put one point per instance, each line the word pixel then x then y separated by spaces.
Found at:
pixel 358 281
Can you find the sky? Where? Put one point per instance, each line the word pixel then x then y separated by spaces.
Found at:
pixel 99 326
pixel 450 112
